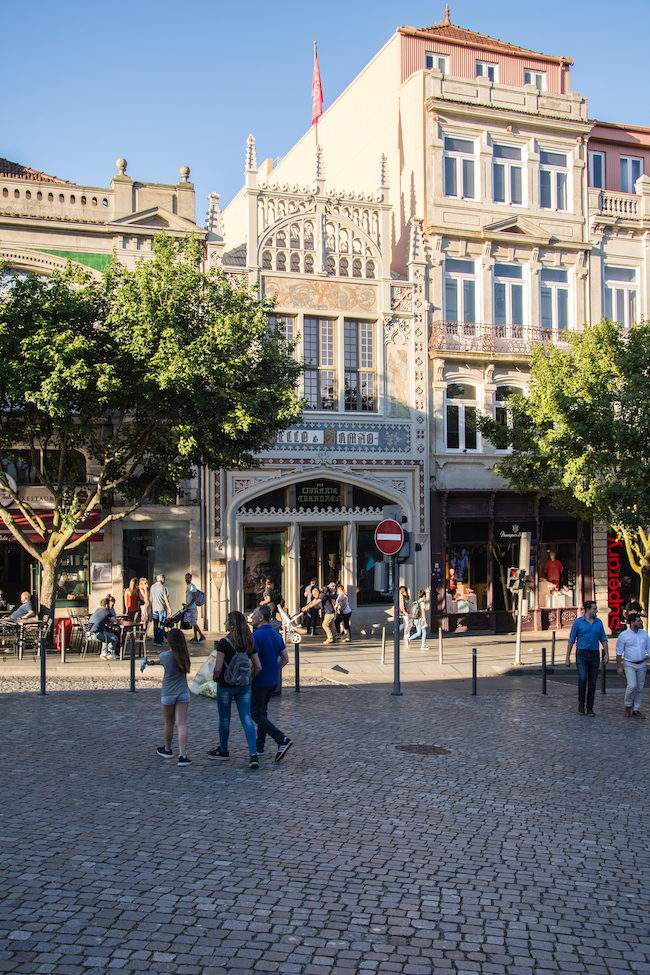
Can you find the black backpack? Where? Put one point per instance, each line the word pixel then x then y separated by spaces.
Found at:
pixel 238 671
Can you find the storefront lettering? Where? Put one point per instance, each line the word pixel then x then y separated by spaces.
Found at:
pixel 328 437
pixel 614 596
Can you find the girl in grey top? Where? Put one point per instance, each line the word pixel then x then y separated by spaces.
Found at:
pixel 175 694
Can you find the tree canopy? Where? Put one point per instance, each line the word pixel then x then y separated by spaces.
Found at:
pixel 582 434
pixel 118 389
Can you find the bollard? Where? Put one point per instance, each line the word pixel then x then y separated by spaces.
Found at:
pixel 603 687
pixel 543 670
pixel 553 649
pixel 132 641
pixel 440 641
pixel 474 672
pixel 383 645
pixel 296 660
pixel 63 641
pixel 41 650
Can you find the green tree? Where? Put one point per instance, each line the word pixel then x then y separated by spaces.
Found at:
pixel 582 434
pixel 116 390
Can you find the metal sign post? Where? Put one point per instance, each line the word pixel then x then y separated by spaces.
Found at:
pixel 397 691
pixel 389 538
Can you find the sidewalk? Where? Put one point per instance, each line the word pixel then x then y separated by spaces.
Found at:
pixel 358 662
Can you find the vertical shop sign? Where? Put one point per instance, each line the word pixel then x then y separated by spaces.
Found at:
pixel 614 596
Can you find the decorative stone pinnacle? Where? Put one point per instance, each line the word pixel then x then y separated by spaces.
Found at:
pixel 416 242
pixel 214 223
pixel 121 166
pixel 251 155
pixel 320 164
pixel 383 172
pixel 185 172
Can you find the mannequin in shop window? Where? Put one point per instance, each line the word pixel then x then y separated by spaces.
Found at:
pixel 451 584
pixel 553 569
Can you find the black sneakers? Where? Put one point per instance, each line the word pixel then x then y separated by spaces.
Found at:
pixel 254 762
pixel 183 760
pixel 164 752
pixel 218 753
pixel 283 748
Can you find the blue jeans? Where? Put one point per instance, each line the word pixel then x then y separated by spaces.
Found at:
pixel 159 620
pixel 420 630
pixel 242 696
pixel 105 636
pixel 588 664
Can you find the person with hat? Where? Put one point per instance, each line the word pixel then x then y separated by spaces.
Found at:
pixel 326 600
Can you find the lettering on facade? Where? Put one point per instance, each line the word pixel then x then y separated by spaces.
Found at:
pixel 318 494
pixel 327 437
pixel 373 437
pixel 614 595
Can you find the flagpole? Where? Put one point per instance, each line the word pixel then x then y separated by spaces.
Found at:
pixel 316 126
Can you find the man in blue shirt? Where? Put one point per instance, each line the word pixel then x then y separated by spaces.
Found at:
pixel 273 655
pixel 587 632
pixel 25 611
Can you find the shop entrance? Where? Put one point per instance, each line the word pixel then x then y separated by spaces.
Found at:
pixel 320 555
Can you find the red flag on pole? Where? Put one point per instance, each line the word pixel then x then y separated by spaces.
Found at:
pixel 316 92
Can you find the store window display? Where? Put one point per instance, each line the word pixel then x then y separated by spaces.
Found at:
pixel 557 577
pixel 467 579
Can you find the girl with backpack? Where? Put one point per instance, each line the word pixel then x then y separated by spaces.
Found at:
pixel 404 603
pixel 175 694
pixel 417 612
pixel 236 665
pixel 343 614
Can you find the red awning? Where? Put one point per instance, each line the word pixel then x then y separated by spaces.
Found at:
pixel 47 516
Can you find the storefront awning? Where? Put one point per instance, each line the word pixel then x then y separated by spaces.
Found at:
pixel 91 522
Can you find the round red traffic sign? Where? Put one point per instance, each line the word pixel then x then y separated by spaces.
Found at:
pixel 389 537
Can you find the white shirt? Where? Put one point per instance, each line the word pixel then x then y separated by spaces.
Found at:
pixel 633 646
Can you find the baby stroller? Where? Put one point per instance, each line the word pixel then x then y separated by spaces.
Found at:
pixel 289 624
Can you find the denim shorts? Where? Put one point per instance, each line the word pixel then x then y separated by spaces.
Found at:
pixel 183 698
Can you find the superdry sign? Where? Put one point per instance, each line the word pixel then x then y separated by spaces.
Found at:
pixel 615 549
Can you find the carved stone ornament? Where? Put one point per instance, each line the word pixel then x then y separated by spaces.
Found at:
pixel 395 328
pixel 398 485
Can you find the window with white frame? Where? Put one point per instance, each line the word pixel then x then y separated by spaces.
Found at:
pixel 534 77
pixel 461 410
pixel 460 291
pixel 503 413
pixel 507 183
pixel 554 301
pixel 508 295
pixel 597 170
pixel 485 69
pixel 359 362
pixel 288 325
pixel 620 289
pixel 552 180
pixel 631 169
pixel 459 168
pixel 439 61
pixel 319 378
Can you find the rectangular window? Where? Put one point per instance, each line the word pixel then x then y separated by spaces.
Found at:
pixel 508 295
pixel 537 78
pixel 319 376
pixel 359 362
pixel 631 170
pixel 552 180
pixel 507 174
pixel 554 301
pixel 485 69
pixel 439 61
pixel 461 414
pixel 597 170
pixel 620 295
pixel 460 291
pixel 459 168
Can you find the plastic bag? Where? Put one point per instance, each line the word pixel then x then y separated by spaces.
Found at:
pixel 204 676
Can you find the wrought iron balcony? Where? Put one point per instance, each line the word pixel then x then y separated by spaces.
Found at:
pixel 491 339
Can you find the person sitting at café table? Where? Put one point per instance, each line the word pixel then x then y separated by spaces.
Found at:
pixel 25 611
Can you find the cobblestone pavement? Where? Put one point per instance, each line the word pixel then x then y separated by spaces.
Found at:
pixel 522 850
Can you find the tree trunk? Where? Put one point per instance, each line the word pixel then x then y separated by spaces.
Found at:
pixel 49 565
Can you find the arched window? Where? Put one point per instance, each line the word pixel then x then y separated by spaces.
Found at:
pixel 461 406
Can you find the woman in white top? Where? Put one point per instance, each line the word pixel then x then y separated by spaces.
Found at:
pixel 343 614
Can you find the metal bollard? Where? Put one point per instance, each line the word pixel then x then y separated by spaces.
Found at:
pixel 383 644
pixel 603 687
pixel 296 660
pixel 63 648
pixel 132 641
pixel 543 670
pixel 440 660
pixel 474 672
pixel 41 650
pixel 553 649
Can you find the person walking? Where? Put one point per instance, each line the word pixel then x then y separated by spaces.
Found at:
pixel 632 652
pixel 238 641
pixel 312 595
pixel 273 657
pixel 160 609
pixel 175 695
pixel 404 605
pixel 587 631
pixel 325 601
pixel 343 614
pixel 418 615
pixel 191 609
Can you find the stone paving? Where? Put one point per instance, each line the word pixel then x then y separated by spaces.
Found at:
pixel 523 850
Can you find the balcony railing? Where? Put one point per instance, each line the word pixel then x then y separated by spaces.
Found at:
pixel 491 339
pixel 619 205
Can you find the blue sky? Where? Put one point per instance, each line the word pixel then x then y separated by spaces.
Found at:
pixel 167 84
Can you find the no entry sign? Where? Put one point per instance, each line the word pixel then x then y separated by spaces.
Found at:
pixel 389 537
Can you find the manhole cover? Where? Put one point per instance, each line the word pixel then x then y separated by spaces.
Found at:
pixel 423 749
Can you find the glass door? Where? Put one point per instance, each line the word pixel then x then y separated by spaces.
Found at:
pixel 320 556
